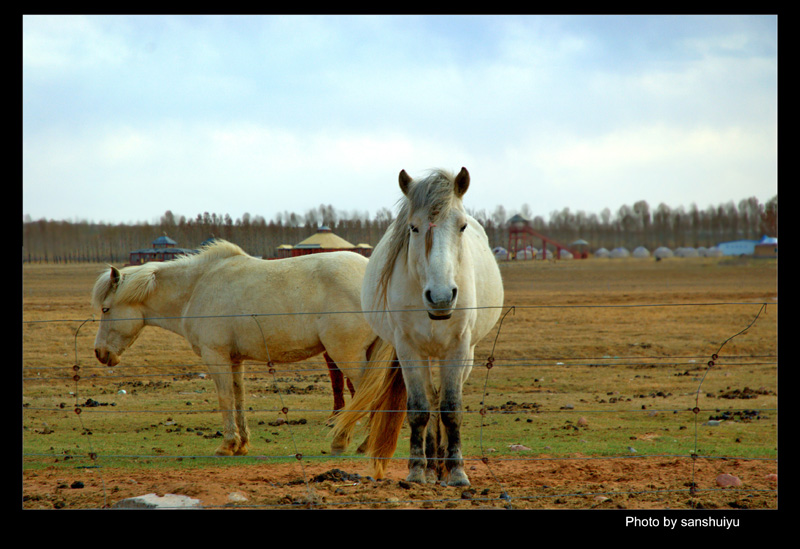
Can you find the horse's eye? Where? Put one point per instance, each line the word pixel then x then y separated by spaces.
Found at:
pixel 105 310
pixel 413 229
pixel 463 227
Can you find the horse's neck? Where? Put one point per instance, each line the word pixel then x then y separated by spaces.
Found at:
pixel 165 306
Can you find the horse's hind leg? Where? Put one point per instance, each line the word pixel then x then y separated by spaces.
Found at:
pixel 337 382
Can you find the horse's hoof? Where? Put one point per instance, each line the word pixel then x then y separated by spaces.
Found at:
pixel 416 475
pixel 457 477
pixel 228 448
pixel 339 445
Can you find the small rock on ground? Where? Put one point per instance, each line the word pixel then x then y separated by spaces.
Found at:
pixel 728 480
pixel 152 501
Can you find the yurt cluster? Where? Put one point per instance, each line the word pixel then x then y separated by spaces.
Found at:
pixel 766 247
pixel 522 237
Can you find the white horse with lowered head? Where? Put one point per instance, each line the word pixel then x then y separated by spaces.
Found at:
pixel 232 307
pixel 432 290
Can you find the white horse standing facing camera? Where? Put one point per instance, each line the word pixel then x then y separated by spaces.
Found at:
pixel 432 290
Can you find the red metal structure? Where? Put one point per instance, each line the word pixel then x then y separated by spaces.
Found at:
pixel 521 235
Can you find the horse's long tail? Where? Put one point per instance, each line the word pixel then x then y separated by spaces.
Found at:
pixel 382 394
pixel 345 421
pixel 389 412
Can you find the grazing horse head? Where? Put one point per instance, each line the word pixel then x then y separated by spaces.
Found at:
pixel 431 221
pixel 118 296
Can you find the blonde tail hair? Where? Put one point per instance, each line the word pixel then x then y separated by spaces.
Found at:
pixel 386 419
pixel 381 393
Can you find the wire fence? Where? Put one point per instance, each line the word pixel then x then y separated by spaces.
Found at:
pixel 697 368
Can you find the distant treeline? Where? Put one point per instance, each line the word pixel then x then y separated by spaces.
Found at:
pixel 631 226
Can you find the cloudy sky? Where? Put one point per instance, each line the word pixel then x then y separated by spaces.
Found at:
pixel 125 117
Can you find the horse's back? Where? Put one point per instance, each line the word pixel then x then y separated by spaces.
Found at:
pixel 242 300
pixel 298 284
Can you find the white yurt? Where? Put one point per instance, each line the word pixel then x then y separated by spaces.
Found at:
pixel 526 254
pixel 620 252
pixel 641 252
pixel 602 252
pixel 686 252
pixel 662 252
pixel 500 253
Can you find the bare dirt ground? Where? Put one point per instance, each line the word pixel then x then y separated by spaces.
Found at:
pixel 579 481
pixel 635 483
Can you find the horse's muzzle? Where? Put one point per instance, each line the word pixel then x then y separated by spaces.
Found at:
pixel 106 357
pixel 443 303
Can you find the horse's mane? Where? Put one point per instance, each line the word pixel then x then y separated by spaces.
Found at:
pixel 434 193
pixel 136 282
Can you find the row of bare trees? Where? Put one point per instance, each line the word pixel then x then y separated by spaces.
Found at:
pixel 630 226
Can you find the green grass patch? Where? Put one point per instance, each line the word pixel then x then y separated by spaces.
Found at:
pixel 513 410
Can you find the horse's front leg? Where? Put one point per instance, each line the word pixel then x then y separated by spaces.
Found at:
pixel 451 411
pixel 220 367
pixel 417 379
pixel 237 370
pixel 434 451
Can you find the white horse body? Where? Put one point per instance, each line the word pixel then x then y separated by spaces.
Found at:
pixel 232 307
pixel 433 290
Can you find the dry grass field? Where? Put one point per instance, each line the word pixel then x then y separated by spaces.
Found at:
pixel 600 395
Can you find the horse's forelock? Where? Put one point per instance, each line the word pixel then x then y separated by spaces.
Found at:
pixel 135 284
pixel 101 288
pixel 434 194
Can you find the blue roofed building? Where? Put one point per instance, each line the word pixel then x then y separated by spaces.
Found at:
pixel 163 249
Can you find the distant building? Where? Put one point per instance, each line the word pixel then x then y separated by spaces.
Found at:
pixel 738 247
pixel 766 247
pixel 163 249
pixel 324 240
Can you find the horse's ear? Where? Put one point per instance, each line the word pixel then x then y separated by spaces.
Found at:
pixel 405 182
pixel 115 277
pixel 462 182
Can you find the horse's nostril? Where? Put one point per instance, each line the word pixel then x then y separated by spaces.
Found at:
pixel 455 291
pixel 428 296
